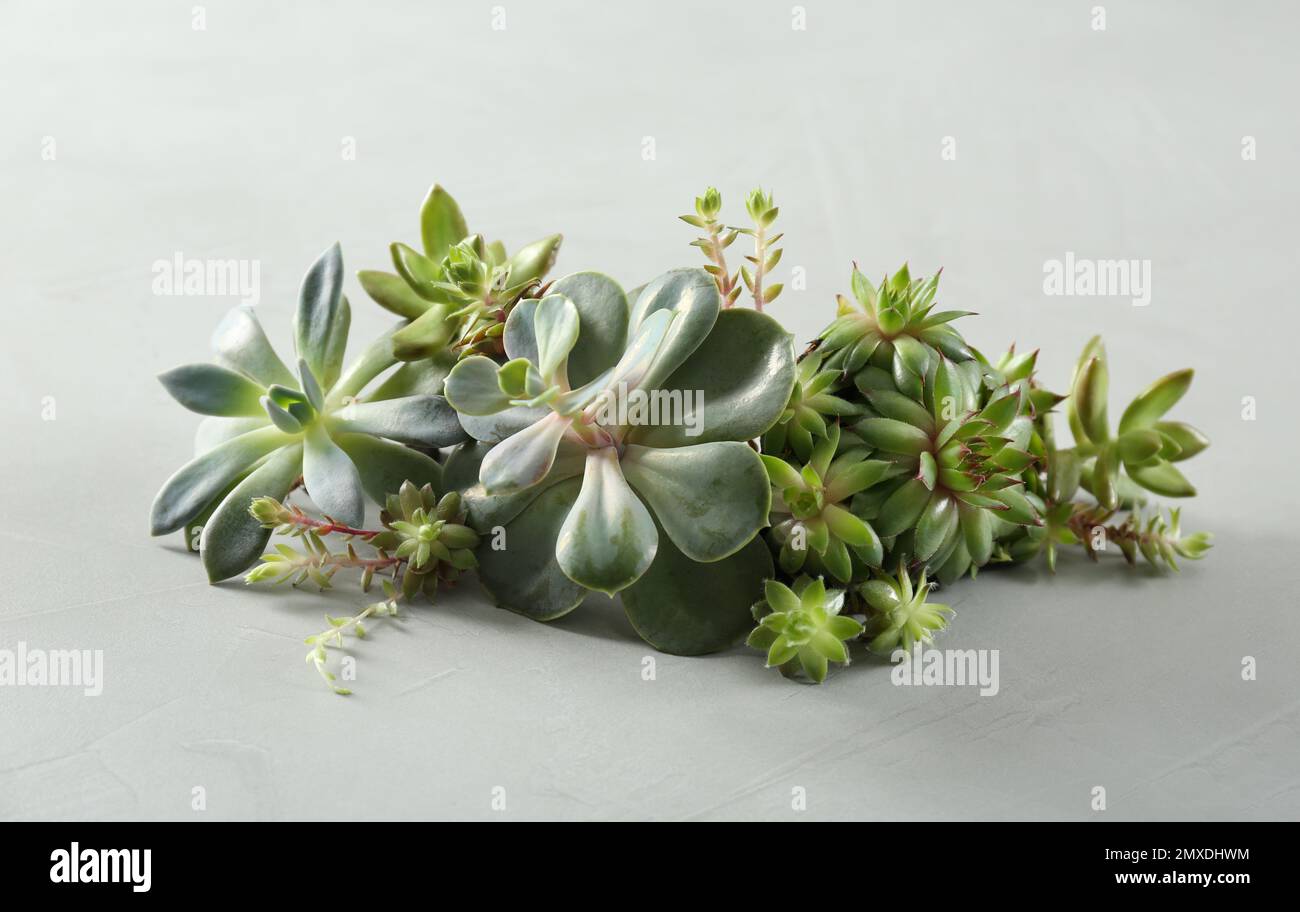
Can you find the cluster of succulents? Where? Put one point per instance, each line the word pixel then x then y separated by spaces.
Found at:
pixel 664 446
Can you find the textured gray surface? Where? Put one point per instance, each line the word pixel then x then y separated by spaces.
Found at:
pixel 227 142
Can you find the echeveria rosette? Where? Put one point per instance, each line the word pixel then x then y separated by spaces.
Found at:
pixel 802 629
pixel 812 523
pixel 270 426
pixel 457 290
pixel 666 517
pixel 1143 444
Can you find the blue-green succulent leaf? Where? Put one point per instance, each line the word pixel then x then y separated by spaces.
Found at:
pixel 739 381
pixel 383 465
pixel 232 540
pixel 691 295
pixel 216 431
pixel 523 459
pixel 425 420
pixel 331 478
pixel 603 314
pixel 683 607
pixel 711 498
pixel 609 538
pixel 320 326
pixel 240 343
pixel 523 575
pixel 280 416
pixel 472 387
pixel 196 483
pixel 210 389
pixel 555 324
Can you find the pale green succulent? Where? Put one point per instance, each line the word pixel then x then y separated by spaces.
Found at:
pixel 271 428
pixel 590 497
pixel 811 518
pixel 458 292
pixel 900 615
pixel 1144 445
pixel 801 628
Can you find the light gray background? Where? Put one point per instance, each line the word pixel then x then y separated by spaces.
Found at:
pixel 227 143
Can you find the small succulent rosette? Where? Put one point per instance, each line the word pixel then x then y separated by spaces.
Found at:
pixel 613 454
pixel 268 426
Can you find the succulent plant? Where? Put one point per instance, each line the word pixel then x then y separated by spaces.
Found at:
pixel 1145 446
pixel 900 615
pixel 811 409
pixel 801 628
pixel 459 290
pixel 270 428
pixel 810 517
pixel 762 213
pixel 667 506
pixel 896 325
pixel 951 439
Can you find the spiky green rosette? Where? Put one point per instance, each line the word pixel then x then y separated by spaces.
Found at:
pixel 938 449
pixel 802 629
pixel 892 324
pixel 901 615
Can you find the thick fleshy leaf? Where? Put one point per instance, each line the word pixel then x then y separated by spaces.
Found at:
pixel 739 381
pixel 426 336
pixel 216 431
pixel 520 336
pixel 1089 400
pixel 1190 441
pixel 691 295
pixel 534 260
pixel 392 293
pixel 376 358
pixel 1158 398
pixel 503 424
pixel 331 478
pixel 603 312
pixel 416 378
pixel 320 326
pixel 196 483
pixel 683 607
pixel 634 366
pixel 472 387
pixel 711 498
pixel 903 508
pixel 525 458
pixel 935 524
pixel 425 420
pixel 232 540
pixel 240 343
pixel 523 575
pixel 210 389
pixel 555 324
pixel 977 531
pixel 893 436
pixel 609 538
pixel 441 223
pixel 461 472
pixel 422 274
pixel 383 466
pixel 1164 479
